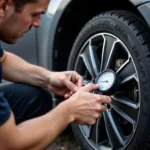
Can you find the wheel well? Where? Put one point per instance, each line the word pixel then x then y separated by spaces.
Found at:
pixel 74 18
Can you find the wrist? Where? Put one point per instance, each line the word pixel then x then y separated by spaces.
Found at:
pixel 67 110
pixel 49 79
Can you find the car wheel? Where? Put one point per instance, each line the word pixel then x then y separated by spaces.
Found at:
pixel 120 41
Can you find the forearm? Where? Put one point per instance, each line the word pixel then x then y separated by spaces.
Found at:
pixel 45 129
pixel 17 70
pixel 40 132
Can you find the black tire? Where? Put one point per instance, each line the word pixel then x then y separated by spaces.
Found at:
pixel 135 34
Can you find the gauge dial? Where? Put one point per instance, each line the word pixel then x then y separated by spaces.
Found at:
pixel 106 80
pixel 109 82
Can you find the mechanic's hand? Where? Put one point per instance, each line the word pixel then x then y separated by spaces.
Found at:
pixel 65 83
pixel 86 107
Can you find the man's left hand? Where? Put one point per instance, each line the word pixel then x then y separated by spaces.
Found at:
pixel 65 83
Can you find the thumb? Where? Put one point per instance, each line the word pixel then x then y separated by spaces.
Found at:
pixel 89 87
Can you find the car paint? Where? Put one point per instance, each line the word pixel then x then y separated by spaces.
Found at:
pixel 37 46
pixel 138 2
pixel 145 11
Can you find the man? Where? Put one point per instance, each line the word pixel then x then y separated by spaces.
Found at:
pixel 26 121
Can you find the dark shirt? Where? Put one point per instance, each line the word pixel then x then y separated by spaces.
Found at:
pixel 4 106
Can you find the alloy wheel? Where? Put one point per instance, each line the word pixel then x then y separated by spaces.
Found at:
pixel 116 128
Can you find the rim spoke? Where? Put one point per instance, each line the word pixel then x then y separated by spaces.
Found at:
pixel 108 130
pixel 94 131
pixel 114 133
pixel 108 51
pixel 87 64
pixel 127 70
pixel 104 147
pixel 129 78
pixel 86 130
pixel 90 60
pixel 129 109
pixel 93 57
pixel 124 115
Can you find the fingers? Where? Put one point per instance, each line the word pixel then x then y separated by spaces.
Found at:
pixel 69 94
pixel 89 87
pixel 79 80
pixel 103 99
pixel 74 82
pixel 102 108
pixel 91 120
pixel 96 115
pixel 66 96
pixel 71 86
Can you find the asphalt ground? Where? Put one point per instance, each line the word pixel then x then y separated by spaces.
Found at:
pixel 66 141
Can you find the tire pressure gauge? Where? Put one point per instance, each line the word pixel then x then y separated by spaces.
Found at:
pixel 109 82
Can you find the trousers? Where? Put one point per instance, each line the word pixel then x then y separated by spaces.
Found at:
pixel 26 101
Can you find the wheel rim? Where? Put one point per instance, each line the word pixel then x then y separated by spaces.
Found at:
pixel 116 128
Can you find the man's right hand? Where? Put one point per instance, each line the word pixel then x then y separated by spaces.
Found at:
pixel 82 107
pixel 85 107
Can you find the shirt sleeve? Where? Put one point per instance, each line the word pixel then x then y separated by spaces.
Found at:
pixel 5 110
pixel 4 106
pixel 1 50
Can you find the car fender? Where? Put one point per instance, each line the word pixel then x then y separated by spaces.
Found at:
pixel 46 35
pixel 138 2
